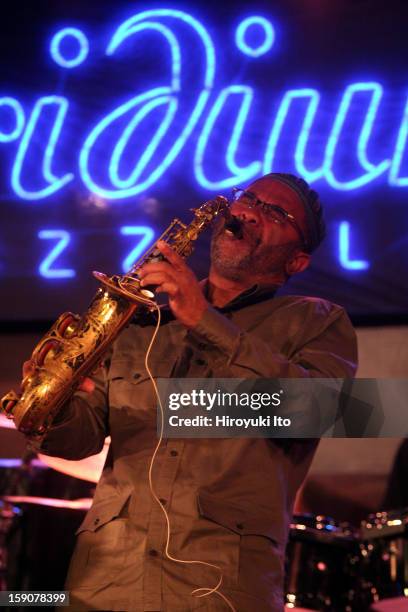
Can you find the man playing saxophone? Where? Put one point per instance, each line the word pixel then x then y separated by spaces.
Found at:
pixel 229 501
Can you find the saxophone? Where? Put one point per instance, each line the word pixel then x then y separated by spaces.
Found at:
pixel 74 345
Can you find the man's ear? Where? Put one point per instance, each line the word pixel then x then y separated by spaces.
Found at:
pixel 297 263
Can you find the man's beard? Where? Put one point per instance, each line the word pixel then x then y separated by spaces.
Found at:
pixel 255 260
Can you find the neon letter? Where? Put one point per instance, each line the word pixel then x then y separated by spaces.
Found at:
pixel 239 174
pixel 54 183
pixel 144 104
pixel 394 179
pixel 19 118
pixel 344 250
pixel 284 107
pixel 64 239
pixel 372 170
pixel 147 238
pixel 81 52
pixel 268 33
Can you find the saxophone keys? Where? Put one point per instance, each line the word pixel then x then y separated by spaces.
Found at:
pixel 45 351
pixel 147 293
pixel 66 325
pixel 8 403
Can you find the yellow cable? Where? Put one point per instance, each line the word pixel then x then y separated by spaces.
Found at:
pixel 207 590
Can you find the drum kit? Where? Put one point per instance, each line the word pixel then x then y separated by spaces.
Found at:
pixel 29 517
pixel 333 566
pixel 330 566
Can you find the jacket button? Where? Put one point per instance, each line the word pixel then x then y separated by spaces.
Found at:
pixel 153 553
pixel 96 521
pixel 239 526
pixel 173 453
pixel 136 376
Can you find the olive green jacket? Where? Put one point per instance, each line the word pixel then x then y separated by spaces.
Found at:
pixel 229 500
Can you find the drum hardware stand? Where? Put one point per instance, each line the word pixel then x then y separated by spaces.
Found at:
pixel 16 482
pixel 7 516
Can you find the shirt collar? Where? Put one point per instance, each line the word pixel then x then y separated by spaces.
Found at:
pixel 257 293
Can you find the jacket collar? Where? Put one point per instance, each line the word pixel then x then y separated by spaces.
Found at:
pixel 253 295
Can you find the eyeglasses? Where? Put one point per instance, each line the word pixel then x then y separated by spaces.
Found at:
pixel 274 212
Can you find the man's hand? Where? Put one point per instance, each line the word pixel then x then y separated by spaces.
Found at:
pixel 86 384
pixel 28 367
pixel 175 278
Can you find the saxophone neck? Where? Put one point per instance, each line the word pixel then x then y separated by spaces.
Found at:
pixel 182 237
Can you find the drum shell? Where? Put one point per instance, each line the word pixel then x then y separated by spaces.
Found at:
pixel 385 551
pixel 323 565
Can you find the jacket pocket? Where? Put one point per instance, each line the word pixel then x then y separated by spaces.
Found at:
pixel 220 539
pixel 102 546
pixel 102 512
pixel 128 391
pixel 255 561
pixel 133 371
pixel 240 520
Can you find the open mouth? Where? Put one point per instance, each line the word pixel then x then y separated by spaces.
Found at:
pixel 234 228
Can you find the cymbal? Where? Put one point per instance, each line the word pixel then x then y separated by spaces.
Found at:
pixel 12 441
pixel 6 423
pixel 89 469
pixel 394 604
pixel 73 504
pixel 7 463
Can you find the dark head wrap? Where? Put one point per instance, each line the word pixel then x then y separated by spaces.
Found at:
pixel 316 228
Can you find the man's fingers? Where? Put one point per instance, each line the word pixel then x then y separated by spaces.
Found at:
pixel 28 367
pixel 160 266
pixel 157 278
pixel 86 385
pixel 168 287
pixel 171 255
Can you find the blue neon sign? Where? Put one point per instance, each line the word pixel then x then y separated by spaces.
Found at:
pixel 48 267
pixel 43 127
